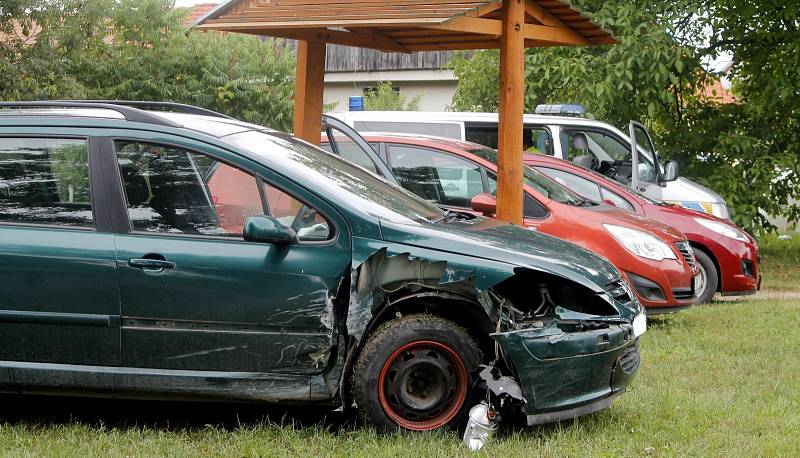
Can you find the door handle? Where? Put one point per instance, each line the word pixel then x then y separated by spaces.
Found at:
pixel 144 263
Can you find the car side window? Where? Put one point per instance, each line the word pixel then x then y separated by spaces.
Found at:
pixel 531 208
pixel 45 181
pixel 305 220
pixel 174 190
pixel 618 200
pixel 435 176
pixel 580 185
pixel 349 150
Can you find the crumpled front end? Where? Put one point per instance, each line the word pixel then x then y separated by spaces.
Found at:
pixel 571 350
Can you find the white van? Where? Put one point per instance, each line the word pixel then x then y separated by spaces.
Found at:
pixel 592 144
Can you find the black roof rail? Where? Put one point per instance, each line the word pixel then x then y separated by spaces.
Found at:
pixel 130 113
pixel 159 106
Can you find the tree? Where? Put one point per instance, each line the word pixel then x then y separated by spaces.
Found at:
pixel 140 50
pixel 748 152
pixel 384 98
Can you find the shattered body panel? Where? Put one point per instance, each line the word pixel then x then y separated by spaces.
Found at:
pixel 565 359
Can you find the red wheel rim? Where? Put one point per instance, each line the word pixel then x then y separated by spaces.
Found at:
pixel 422 385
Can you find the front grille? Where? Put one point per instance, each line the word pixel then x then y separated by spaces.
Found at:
pixel 629 359
pixel 619 291
pixel 686 252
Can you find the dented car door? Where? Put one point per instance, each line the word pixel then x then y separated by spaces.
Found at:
pixel 197 296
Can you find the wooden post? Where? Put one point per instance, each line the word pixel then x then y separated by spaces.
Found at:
pixel 512 106
pixel 308 90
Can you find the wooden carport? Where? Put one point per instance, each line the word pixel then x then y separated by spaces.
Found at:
pixel 417 25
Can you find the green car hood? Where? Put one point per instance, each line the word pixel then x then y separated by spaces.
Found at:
pixel 498 241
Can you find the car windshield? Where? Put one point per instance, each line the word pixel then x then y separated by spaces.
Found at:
pixel 538 181
pixel 320 169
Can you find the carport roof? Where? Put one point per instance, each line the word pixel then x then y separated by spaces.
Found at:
pixel 404 25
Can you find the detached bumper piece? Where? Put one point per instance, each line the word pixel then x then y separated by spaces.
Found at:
pixel 567 369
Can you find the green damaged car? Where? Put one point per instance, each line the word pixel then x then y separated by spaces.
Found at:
pixel 184 255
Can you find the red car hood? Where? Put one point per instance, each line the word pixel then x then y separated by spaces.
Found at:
pixel 613 215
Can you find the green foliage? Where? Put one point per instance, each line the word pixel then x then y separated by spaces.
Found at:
pixel 139 50
pixel 384 98
pixel 748 152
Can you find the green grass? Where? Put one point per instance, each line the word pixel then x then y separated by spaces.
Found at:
pixel 780 263
pixel 716 380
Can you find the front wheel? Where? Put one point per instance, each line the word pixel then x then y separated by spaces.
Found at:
pixel 709 279
pixel 415 373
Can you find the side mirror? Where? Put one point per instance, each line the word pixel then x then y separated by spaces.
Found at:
pixel 266 229
pixel 608 202
pixel 485 204
pixel 671 171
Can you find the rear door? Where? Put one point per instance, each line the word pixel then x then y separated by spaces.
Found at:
pixel 196 295
pixel 60 298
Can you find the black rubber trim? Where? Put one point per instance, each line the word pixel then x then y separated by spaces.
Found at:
pixel 116 205
pixel 99 196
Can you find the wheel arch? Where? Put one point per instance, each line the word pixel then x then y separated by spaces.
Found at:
pixel 710 254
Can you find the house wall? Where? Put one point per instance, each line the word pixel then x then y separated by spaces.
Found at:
pixel 436 86
pixel 348 71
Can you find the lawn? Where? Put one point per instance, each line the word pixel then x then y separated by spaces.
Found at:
pixel 721 379
pixel 780 262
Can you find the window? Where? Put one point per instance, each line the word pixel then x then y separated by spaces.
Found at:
pixel 600 152
pixel 173 190
pixel 435 176
pixel 531 208
pixel 45 181
pixel 534 139
pixel 306 221
pixel 618 200
pixel 580 185
pixel 347 148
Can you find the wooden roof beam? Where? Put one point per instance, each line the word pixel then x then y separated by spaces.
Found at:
pixel 356 39
pixel 543 16
pixel 493 27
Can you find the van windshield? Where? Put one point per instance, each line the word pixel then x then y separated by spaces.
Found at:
pixel 542 183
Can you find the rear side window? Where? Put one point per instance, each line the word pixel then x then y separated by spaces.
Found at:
pixel 45 181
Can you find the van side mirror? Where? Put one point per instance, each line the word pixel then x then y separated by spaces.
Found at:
pixel 266 229
pixel 671 171
pixel 485 204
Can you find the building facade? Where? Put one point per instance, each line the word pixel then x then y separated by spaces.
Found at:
pixel 351 71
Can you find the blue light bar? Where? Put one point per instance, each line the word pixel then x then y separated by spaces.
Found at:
pixel 573 110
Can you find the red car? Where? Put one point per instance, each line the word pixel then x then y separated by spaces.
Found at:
pixel 726 255
pixel 656 258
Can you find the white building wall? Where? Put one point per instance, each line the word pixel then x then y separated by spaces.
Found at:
pixel 436 86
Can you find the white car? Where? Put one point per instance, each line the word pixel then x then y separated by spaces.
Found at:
pixel 590 143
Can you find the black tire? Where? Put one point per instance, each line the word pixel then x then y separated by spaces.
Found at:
pixel 709 271
pixel 409 374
